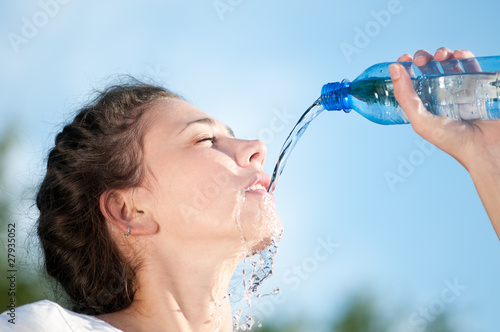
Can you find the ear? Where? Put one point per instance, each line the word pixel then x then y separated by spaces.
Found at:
pixel 123 210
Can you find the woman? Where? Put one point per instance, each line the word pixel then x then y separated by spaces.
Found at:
pixel 146 209
pixel 149 204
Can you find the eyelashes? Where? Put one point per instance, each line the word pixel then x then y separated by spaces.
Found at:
pixel 210 139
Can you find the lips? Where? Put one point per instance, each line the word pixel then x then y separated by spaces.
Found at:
pixel 260 181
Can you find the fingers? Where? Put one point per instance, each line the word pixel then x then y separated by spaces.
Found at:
pixel 405 57
pixel 408 65
pixel 443 53
pixel 470 65
pixel 420 119
pixel 423 59
pixel 463 54
pixel 448 61
pixel 404 92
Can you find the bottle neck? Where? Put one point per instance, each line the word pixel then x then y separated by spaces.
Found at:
pixel 335 96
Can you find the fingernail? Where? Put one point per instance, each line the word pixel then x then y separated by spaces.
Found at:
pixel 418 56
pixel 394 70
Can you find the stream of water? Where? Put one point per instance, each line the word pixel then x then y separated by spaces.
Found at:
pixel 310 114
pixel 261 262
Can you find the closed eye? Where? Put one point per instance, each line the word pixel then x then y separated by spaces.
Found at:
pixel 205 139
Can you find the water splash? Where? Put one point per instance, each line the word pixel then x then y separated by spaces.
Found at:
pixel 262 268
pixel 247 325
pixel 312 112
pixel 236 319
pixel 262 259
pixel 260 256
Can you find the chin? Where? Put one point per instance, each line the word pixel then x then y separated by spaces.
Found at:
pixel 273 233
pixel 259 223
pixel 256 249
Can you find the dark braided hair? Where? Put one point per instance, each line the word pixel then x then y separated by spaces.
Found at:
pixel 100 150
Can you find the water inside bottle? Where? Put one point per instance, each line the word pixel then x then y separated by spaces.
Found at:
pixel 310 114
pixel 462 96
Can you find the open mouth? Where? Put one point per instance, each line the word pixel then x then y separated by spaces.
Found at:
pixel 255 187
pixel 259 183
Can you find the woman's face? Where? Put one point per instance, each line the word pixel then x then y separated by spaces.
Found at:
pixel 206 185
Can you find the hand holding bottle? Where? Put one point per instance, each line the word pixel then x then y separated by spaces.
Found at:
pixel 475 144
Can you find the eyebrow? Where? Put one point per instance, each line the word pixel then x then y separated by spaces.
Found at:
pixel 208 121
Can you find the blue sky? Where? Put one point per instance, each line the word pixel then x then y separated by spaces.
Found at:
pixel 252 64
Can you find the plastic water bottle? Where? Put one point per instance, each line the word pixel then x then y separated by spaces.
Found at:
pixel 473 93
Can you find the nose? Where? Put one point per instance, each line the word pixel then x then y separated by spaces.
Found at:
pixel 250 153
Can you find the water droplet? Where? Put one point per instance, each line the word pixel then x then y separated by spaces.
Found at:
pixel 236 319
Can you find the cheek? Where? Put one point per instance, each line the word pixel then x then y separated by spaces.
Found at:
pixel 200 202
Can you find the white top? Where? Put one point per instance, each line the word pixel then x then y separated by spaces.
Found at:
pixel 48 316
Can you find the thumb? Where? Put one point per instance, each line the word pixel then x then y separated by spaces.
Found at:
pixel 423 122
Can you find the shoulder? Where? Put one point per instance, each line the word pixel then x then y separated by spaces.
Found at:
pixel 49 316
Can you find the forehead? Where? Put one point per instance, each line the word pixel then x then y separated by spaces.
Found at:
pixel 172 115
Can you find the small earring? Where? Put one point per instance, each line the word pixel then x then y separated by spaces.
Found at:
pixel 128 231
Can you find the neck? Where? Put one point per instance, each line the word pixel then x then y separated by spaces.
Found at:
pixel 188 292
